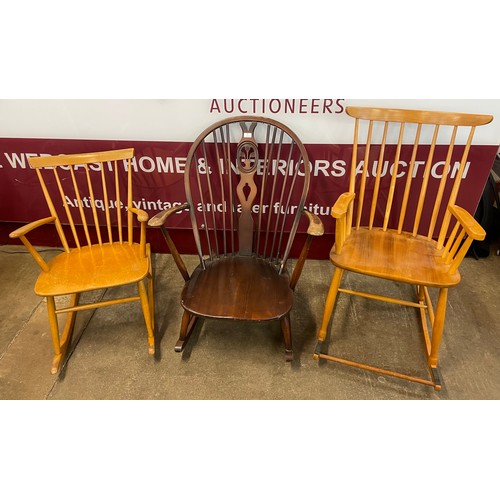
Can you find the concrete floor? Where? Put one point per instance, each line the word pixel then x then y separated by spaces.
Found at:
pixel 231 360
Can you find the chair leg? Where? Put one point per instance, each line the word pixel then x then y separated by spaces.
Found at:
pixel 54 328
pixel 287 336
pixel 151 300
pixel 147 316
pixel 151 295
pixel 187 326
pixel 327 314
pixel 61 343
pixel 438 327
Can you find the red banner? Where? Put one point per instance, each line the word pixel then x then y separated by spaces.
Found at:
pixel 159 173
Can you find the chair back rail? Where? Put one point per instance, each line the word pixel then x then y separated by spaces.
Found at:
pixel 246 180
pixel 389 197
pixel 92 191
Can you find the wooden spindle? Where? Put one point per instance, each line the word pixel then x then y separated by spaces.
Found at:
pixel 425 182
pixel 94 210
pixel 362 184
pixel 394 176
pixel 66 208
pixel 409 179
pixel 377 179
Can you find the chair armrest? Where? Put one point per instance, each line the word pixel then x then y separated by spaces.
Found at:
pixel 142 216
pixel 341 206
pixel 160 218
pixel 24 230
pixel 467 221
pixel 316 227
pixel 339 212
pixel 458 245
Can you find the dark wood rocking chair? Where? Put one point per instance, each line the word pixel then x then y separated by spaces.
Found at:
pixel 399 223
pixel 246 182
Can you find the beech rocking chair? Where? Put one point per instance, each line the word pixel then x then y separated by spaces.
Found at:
pixel 246 182
pixel 89 197
pixel 399 220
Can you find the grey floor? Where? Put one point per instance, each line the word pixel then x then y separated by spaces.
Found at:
pixel 231 360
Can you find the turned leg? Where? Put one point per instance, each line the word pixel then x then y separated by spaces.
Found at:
pixel 151 299
pixel 287 336
pixel 187 326
pixel 438 327
pixel 147 316
pixel 327 314
pixel 151 295
pixel 61 343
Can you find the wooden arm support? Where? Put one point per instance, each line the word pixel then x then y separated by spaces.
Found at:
pixel 142 217
pixel 24 230
pixel 315 228
pixel 159 220
pixel 467 221
pixel 341 206
pixel 466 230
pixel 339 212
pixel 29 227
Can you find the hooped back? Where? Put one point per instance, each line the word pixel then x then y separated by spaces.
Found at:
pixel 398 181
pixel 92 191
pixel 246 181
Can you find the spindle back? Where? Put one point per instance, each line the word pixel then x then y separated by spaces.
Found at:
pixel 246 181
pixel 89 195
pixel 397 173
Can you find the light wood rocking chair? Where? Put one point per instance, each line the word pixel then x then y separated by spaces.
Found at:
pixel 246 182
pixel 89 197
pixel 399 221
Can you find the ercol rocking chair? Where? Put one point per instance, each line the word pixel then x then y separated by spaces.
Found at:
pixel 402 226
pixel 89 197
pixel 246 181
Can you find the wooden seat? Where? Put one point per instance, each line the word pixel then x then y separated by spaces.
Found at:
pixel 395 256
pixel 89 197
pixel 241 287
pixel 246 182
pixel 92 268
pixel 400 220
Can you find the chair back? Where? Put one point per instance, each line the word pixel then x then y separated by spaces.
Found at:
pixel 89 195
pixel 398 173
pixel 246 181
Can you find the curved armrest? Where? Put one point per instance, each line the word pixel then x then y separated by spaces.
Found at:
pixel 470 225
pixel 342 205
pixel 316 227
pixel 457 246
pixel 339 212
pixel 29 227
pixel 160 218
pixel 142 216
pixel 24 230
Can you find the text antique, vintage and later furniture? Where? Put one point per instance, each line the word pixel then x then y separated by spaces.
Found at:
pixel 89 197
pixel 246 181
pixel 399 220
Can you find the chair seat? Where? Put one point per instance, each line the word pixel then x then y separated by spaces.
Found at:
pixel 402 257
pixel 92 268
pixel 245 288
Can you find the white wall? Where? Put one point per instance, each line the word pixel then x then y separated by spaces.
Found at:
pixel 182 119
